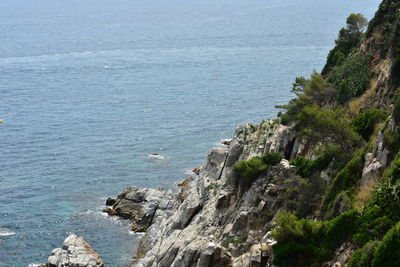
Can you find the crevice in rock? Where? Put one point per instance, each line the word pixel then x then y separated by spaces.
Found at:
pixel 152 216
pixel 289 148
pixel 195 212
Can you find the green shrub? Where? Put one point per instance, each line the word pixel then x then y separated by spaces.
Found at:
pixel 345 179
pixel 396 107
pixel 392 141
pixel 363 257
pixel 352 77
pixel 316 90
pixel 250 169
pixel 387 197
pixel 387 253
pixel 364 123
pixel 324 125
pixel 301 242
pixel 272 158
pixel 349 37
pixel 306 167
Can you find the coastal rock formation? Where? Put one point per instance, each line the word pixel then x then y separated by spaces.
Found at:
pixel 76 252
pixel 142 206
pixel 216 219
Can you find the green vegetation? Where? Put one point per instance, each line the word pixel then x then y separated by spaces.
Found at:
pixel 315 90
pixel 396 107
pixel 385 22
pixel 252 168
pixel 364 123
pixel 272 158
pixel 351 77
pixel 345 180
pixel 302 242
pixel 307 167
pixel 362 257
pixel 338 133
pixel 387 252
pixel 319 124
pixel 349 38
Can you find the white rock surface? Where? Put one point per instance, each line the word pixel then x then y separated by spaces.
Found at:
pixel 76 252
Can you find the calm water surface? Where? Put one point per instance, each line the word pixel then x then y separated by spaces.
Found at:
pixel 89 88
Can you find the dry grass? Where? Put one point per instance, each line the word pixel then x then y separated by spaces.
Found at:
pixel 363 196
pixel 356 104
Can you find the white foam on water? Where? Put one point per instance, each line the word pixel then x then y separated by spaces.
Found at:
pixel 6 232
pixel 141 234
pixel 156 157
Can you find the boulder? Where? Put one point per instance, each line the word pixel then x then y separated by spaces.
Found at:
pixel 143 206
pixel 76 252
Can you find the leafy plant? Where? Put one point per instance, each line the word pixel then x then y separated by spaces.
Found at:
pixel 345 179
pixel 352 77
pixel 364 123
pixel 252 168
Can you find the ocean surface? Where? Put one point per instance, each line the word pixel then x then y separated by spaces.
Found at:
pixel 90 88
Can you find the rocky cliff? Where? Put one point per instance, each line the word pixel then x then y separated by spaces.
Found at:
pixel 216 219
pixel 76 252
pixel 318 186
pixel 333 198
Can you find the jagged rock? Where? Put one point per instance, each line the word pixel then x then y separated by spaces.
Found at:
pixel 342 256
pixel 258 256
pixel 110 201
pixel 212 221
pixel 375 162
pixel 215 162
pixel 76 252
pixel 227 142
pixel 143 206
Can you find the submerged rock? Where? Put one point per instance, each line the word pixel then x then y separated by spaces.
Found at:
pixel 76 252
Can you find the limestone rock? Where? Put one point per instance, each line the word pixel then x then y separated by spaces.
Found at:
pixel 76 252
pixel 143 206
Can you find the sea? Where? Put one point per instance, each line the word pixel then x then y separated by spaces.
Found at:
pixel 90 88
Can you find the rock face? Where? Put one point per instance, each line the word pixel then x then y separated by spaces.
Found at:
pixel 142 206
pixel 76 252
pixel 216 219
pixel 375 162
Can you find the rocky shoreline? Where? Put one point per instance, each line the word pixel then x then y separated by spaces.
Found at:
pixel 216 218
pixel 76 252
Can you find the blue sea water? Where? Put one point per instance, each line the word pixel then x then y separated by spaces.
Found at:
pixel 89 88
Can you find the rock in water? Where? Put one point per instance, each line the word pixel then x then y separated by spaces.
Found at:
pixel 142 206
pixel 76 252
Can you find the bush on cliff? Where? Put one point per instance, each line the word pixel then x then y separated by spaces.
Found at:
pixel 301 242
pixel 346 179
pixel 324 125
pixel 349 37
pixel 272 158
pixel 352 77
pixel 252 168
pixel 387 252
pixel 364 123
pixel 307 167
pixel 315 90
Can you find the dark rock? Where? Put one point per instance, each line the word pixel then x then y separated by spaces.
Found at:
pixel 110 201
